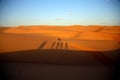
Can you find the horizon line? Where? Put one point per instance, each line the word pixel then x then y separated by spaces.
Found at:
pixel 58 25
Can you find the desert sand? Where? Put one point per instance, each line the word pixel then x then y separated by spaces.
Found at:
pixel 60 52
pixel 74 44
pixel 91 38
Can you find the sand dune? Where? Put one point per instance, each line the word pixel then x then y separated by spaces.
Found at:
pixel 97 36
pixel 90 38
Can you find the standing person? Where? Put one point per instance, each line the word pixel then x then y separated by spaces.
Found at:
pixel 59 39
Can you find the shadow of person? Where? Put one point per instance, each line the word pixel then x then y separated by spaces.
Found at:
pixel 66 45
pixel 57 45
pixel 53 44
pixel 42 45
pixel 61 45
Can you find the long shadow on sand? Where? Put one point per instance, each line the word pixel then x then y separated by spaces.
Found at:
pixel 42 45
pixel 59 45
pixel 66 45
pixel 53 44
pixel 54 56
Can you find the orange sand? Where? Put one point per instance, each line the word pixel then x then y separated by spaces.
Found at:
pixel 90 38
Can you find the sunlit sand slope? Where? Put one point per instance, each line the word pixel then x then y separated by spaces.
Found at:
pixel 90 38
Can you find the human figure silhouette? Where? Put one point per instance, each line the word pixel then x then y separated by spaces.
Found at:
pixel 59 39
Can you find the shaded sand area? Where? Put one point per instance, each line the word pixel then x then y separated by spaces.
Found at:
pixel 68 52
pixel 27 71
